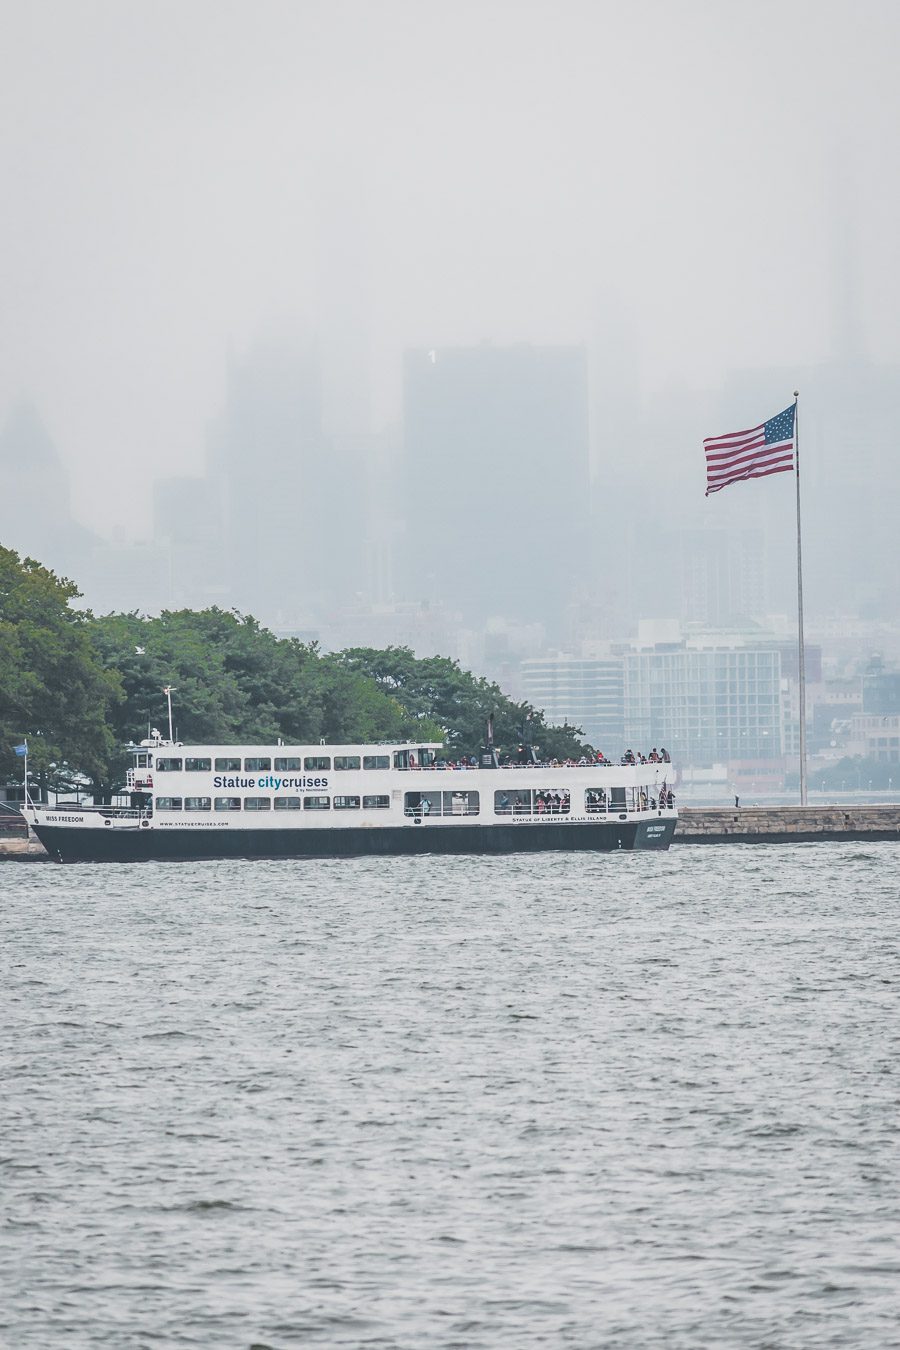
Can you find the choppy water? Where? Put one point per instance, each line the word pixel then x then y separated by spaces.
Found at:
pixel 637 1100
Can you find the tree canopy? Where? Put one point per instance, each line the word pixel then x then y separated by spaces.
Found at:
pixel 81 687
pixel 54 689
pixel 460 702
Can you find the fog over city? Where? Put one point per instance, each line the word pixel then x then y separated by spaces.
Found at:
pixel 398 322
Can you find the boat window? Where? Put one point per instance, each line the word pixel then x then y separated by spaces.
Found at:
pixel 168 765
pixel 228 803
pixel 551 802
pixel 346 803
pixel 346 761
pixel 376 761
pixel 289 765
pixel 413 759
pixel 287 803
pixel 317 762
pixel 228 765
pixel 513 803
pixel 141 761
pixel 316 803
pixel 377 803
pixel 460 803
pixel 256 765
pixel 198 804
pixel 197 765
pixel 422 804
pixel 594 800
pixel 168 803
pixel 257 803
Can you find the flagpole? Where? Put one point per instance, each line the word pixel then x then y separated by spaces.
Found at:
pixel 168 693
pixel 800 645
pixel 26 772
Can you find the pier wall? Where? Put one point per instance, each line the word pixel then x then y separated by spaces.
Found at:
pixel 785 824
pixel 21 847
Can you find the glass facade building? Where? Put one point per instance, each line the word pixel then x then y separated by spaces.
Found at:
pixel 587 693
pixel 706 706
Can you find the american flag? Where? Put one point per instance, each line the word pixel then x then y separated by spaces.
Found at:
pixel 768 448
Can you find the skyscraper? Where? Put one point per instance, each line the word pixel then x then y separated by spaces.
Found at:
pixel 495 480
pixel 291 504
pixel 35 502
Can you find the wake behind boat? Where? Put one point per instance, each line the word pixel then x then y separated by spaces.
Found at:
pixel 334 801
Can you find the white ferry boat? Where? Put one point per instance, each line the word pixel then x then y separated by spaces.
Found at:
pixel 325 801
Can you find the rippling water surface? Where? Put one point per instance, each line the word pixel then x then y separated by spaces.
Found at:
pixel 632 1100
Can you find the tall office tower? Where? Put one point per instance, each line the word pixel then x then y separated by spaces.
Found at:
pixel 292 533
pixel 187 527
pixel 496 480
pixel 722 576
pixel 35 508
pixel 881 692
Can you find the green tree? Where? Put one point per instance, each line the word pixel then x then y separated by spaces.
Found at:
pixel 235 681
pixel 437 688
pixel 53 689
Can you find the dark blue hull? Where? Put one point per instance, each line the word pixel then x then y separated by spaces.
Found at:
pixel 71 844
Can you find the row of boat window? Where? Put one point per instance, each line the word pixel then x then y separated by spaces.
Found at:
pixel 286 764
pixel 525 802
pixel 317 803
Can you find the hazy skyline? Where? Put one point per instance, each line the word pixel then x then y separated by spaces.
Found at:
pixel 180 179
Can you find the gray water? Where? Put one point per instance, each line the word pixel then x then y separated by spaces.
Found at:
pixel 633 1100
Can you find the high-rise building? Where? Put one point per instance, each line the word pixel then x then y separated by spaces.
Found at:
pixel 587 693
pixel 35 502
pixel 722 576
pixel 292 519
pixel 496 480
pixel 269 431
pixel 188 528
pixel 707 705
pixel 881 692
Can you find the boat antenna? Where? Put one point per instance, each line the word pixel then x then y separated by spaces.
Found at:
pixel 168 693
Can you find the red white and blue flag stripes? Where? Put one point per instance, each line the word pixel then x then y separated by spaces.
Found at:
pixel 768 448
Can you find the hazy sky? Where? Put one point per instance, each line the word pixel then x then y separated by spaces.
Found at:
pixel 179 177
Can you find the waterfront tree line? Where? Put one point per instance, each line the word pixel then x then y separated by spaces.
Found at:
pixel 79 687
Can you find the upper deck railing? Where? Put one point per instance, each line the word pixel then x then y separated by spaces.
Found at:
pixel 538 764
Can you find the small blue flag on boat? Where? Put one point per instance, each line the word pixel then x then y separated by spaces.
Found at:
pixel 21 749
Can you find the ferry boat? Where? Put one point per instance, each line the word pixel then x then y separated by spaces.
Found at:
pixel 327 801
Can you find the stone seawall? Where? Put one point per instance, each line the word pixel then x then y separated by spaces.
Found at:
pixel 21 847
pixel 785 824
